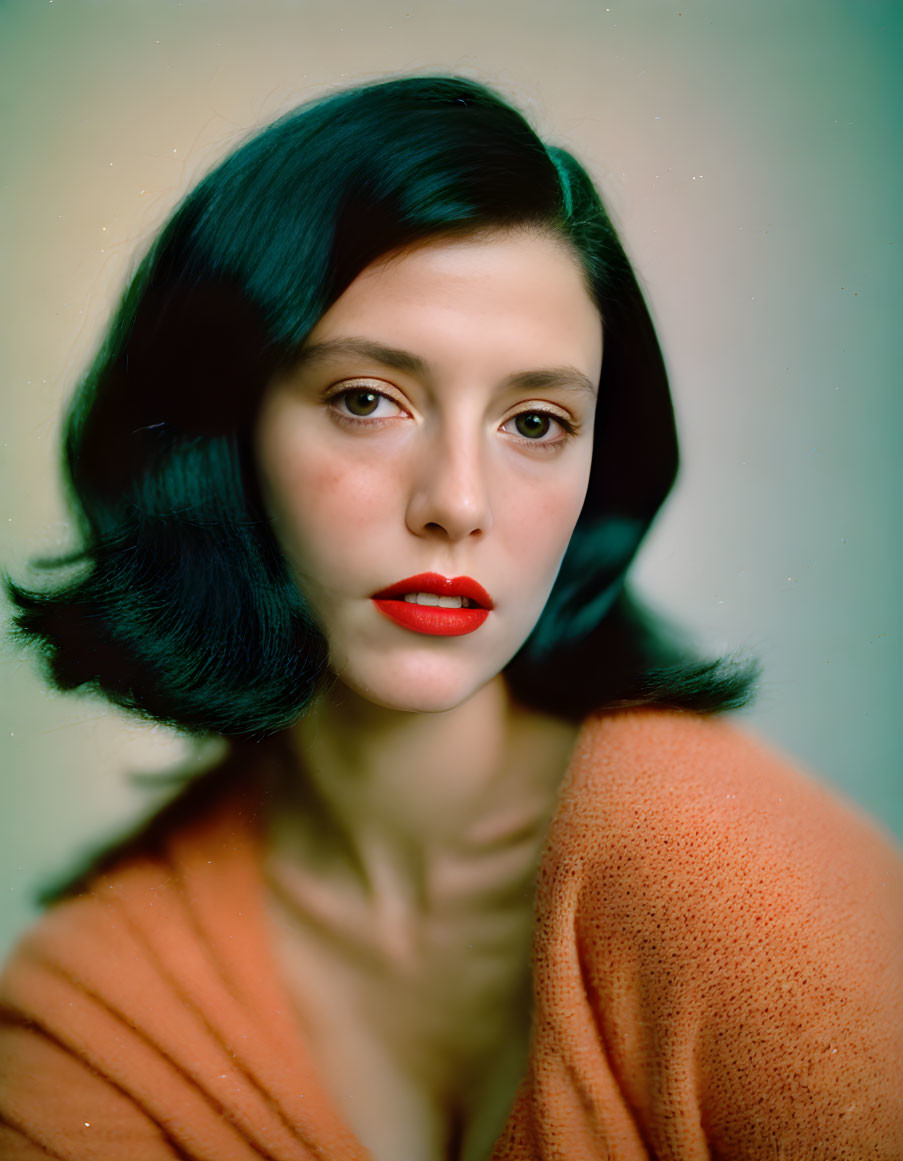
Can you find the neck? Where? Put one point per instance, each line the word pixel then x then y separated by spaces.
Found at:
pixel 379 796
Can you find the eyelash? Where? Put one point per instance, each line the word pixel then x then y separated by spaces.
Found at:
pixel 568 428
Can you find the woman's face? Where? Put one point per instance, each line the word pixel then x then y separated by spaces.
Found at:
pixel 439 421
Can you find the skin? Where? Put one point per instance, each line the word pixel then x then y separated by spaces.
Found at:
pixel 401 855
pixel 438 477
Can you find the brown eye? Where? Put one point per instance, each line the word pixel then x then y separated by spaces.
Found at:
pixel 532 424
pixel 361 402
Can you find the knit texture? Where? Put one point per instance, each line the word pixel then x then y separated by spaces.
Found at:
pixel 718 973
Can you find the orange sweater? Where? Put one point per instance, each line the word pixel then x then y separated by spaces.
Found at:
pixel 718 969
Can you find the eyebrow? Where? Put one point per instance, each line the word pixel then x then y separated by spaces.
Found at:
pixel 564 376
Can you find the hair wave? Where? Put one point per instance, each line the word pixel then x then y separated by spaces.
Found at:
pixel 178 604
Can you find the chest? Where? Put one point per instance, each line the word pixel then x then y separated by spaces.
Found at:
pixel 421 1047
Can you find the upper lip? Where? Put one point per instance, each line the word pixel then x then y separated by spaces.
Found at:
pixel 442 586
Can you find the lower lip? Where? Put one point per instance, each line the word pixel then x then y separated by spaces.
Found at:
pixel 432 619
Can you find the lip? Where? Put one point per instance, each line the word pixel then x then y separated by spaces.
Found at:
pixel 431 619
pixel 441 586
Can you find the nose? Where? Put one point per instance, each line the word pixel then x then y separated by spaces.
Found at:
pixel 449 494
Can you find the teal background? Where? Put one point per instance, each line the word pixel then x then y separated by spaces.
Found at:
pixel 751 155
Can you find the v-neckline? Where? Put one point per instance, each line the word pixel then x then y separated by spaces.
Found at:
pixel 220 858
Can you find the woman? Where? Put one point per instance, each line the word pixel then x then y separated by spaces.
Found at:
pixel 362 466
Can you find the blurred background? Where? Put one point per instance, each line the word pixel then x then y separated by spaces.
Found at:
pixel 750 155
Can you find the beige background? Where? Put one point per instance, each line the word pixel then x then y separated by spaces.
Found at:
pixel 750 153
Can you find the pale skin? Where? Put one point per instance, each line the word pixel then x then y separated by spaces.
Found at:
pixel 441 422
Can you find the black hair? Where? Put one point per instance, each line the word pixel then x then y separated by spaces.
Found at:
pixel 179 604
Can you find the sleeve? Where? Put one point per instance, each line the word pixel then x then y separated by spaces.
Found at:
pixel 106 1054
pixel 88 1119
pixel 741 943
pixel 143 1018
pixel 79 1079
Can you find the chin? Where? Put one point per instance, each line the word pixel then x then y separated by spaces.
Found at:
pixel 416 687
pixel 418 702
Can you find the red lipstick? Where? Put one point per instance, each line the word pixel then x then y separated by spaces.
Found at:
pixel 433 619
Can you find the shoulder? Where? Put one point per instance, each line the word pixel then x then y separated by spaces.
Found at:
pixel 676 787
pixel 134 982
pixel 74 997
pixel 721 831
pixel 113 922
pixel 197 799
pixel 741 917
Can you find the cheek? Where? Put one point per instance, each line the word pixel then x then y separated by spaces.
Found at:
pixel 324 506
pixel 541 521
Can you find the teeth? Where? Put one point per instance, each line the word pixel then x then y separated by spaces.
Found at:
pixel 441 602
pixel 421 598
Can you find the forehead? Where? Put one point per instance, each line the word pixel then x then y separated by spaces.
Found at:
pixel 517 291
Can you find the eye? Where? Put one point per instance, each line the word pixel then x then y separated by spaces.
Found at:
pixel 540 427
pixel 363 403
pixel 533 424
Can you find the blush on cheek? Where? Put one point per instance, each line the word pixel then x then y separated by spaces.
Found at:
pixel 354 497
pixel 348 511
pixel 546 519
pixel 312 476
pixel 313 483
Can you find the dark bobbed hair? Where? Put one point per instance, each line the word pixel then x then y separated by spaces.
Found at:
pixel 179 604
